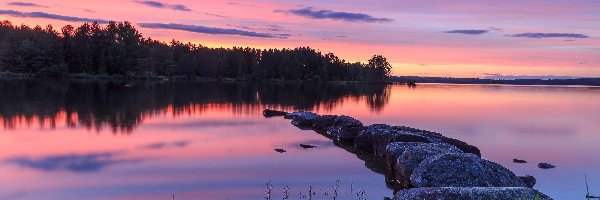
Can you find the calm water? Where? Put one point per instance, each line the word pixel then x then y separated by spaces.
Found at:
pixel 140 140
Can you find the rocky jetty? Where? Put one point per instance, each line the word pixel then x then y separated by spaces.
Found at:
pixel 420 164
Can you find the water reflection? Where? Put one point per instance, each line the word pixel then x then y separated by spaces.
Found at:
pixel 210 141
pixel 123 105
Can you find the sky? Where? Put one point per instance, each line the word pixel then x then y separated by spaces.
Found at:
pixel 459 38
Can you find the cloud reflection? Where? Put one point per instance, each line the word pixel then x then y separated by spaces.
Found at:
pixel 162 145
pixel 72 162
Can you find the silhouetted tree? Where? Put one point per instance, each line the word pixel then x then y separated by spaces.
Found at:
pixel 119 49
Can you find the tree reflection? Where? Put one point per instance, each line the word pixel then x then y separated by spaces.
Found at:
pixel 123 105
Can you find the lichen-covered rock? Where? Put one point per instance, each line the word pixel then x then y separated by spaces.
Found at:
pixel 273 113
pixel 528 180
pixel 471 193
pixel 302 119
pixel 403 157
pixel 462 170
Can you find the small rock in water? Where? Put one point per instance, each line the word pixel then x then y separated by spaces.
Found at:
pixel 280 150
pixel 273 113
pixel 519 161
pixel 307 146
pixel 546 166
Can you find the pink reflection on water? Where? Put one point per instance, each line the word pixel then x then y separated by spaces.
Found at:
pixel 211 150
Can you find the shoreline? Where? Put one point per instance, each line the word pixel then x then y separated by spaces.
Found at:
pixel 84 77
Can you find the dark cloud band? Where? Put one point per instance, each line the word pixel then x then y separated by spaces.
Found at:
pixel 50 16
pixel 469 32
pixel 549 35
pixel 24 4
pixel 211 30
pixel 158 4
pixel 309 12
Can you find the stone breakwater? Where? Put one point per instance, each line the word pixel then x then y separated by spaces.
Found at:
pixel 418 164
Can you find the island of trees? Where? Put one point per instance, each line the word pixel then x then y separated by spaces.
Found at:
pixel 118 49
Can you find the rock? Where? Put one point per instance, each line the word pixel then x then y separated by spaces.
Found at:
pixel 280 150
pixel 344 133
pixel 380 135
pixel 344 125
pixel 472 193
pixel 302 119
pixel 273 113
pixel 324 121
pixel 463 146
pixel 403 157
pixel 528 180
pixel 307 146
pixel 546 166
pixel 382 139
pixel 363 141
pixel 519 161
pixel 462 170
pixel 293 115
pixel 347 121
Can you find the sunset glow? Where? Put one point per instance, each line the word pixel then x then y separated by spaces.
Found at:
pixel 425 38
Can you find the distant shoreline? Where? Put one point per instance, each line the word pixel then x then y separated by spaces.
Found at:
pixel 91 77
pixel 479 81
pixel 402 80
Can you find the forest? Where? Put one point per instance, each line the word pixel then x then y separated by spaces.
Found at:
pixel 118 49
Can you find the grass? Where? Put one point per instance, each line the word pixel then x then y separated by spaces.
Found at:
pixel 313 193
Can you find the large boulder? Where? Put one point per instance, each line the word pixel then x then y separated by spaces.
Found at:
pixel 382 138
pixel 403 157
pixel 472 193
pixel 462 170
pixel 273 113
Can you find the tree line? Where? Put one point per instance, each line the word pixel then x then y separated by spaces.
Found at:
pixel 117 48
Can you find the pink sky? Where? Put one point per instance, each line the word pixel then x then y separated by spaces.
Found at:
pixel 427 38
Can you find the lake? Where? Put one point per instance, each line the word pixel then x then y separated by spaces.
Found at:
pixel 208 140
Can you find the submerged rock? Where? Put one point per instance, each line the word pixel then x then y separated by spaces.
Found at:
pixel 462 170
pixel 273 113
pixel 528 180
pixel 546 166
pixel 519 161
pixel 403 157
pixel 280 150
pixel 307 146
pixel 472 193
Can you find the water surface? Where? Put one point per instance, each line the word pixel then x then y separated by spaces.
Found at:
pixel 152 140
